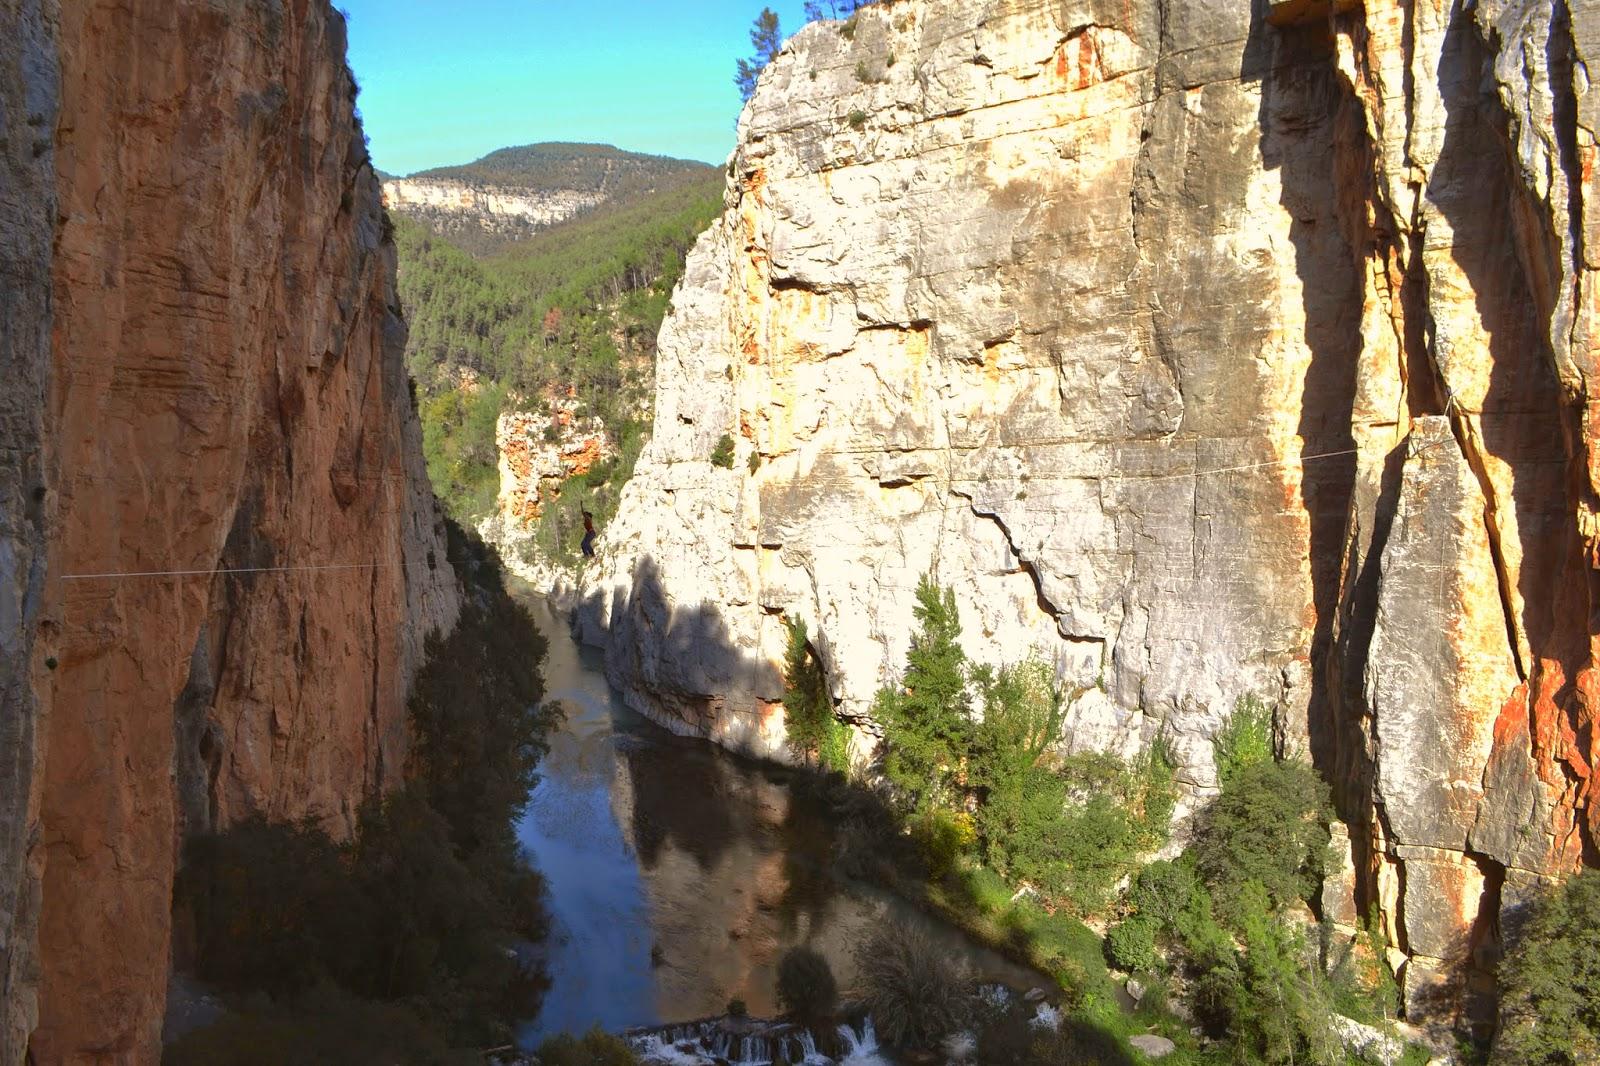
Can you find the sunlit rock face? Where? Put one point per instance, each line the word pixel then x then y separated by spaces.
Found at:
pixel 453 206
pixel 203 359
pixel 1203 355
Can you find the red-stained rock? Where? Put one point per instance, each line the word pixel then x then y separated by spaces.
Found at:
pixel 227 390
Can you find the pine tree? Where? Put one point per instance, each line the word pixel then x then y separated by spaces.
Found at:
pixel 928 721
pixel 766 37
pixel 807 705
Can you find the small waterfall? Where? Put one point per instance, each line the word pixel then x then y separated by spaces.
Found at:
pixel 705 1043
pixel 861 1050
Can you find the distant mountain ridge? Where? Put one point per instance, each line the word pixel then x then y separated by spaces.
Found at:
pixel 513 193
pixel 577 167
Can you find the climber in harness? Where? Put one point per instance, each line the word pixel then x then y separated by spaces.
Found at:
pixel 588 535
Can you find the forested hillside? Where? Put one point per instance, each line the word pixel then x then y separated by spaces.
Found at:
pixel 581 167
pixel 577 306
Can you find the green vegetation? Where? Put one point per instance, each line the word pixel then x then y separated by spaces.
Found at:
pixel 1268 828
pixel 806 987
pixel 916 991
pixel 321 939
pixel 927 720
pixel 858 119
pixel 816 10
pixel 1550 981
pixel 567 318
pixel 766 37
pixel 722 454
pixel 596 1048
pixel 813 732
pixel 984 821
pixel 1069 826
pixel 557 167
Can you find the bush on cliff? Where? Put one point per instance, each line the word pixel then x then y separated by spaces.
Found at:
pixel 1269 826
pixel 1550 981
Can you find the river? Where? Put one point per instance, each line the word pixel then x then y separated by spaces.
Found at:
pixel 679 873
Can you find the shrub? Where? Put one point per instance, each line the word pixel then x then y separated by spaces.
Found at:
pixel 755 461
pixel 806 987
pixel 595 1048
pixel 1245 740
pixel 916 991
pixel 1077 829
pixel 942 838
pixel 737 1008
pixel 858 119
pixel 1269 826
pixel 1131 944
pixel 1272 998
pixel 722 454
pixel 1162 893
pixel 326 1026
pixel 1550 1005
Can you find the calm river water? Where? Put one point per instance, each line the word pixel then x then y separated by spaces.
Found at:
pixel 678 873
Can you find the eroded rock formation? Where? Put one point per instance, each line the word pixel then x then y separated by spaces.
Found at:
pixel 1203 355
pixel 455 206
pixel 226 390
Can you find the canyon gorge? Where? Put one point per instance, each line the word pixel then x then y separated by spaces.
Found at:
pixel 1208 350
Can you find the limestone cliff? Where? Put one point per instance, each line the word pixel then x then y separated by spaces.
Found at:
pixel 1205 349
pixel 455 206
pixel 223 389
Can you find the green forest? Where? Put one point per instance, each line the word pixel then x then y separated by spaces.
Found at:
pixel 578 305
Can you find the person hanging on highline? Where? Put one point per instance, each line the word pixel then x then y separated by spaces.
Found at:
pixel 588 535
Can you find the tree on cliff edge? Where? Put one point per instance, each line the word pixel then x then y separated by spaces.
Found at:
pixel 766 37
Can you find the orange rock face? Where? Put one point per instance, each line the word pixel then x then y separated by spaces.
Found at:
pixel 228 392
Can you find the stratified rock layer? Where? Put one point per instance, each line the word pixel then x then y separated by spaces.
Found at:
pixel 1204 357
pixel 452 206
pixel 224 389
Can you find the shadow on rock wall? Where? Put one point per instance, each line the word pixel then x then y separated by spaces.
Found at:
pixel 679 663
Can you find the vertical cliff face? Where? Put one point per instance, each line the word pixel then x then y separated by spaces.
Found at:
pixel 1203 355
pixel 28 85
pixel 226 391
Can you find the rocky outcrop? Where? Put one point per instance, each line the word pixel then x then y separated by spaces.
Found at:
pixel 539 454
pixel 226 392
pixel 455 206
pixel 1204 354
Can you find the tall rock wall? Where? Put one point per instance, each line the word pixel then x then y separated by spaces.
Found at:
pixel 28 87
pixel 1204 356
pixel 225 390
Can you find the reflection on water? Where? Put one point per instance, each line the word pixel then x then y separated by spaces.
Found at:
pixel 678 874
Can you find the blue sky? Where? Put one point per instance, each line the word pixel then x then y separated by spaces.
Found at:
pixel 445 81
